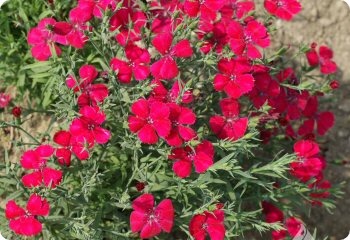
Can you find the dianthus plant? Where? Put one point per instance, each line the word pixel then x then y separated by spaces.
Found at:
pixel 177 120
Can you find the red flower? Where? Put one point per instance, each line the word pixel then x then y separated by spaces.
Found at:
pixel 201 157
pixel 181 118
pixel 123 19
pixel 273 215
pixel 230 125
pixel 150 121
pixel 4 100
pixel 290 102
pixel 88 125
pixel 322 59
pixel 166 67
pixel 208 222
pixel 247 38
pixel 140 186
pixel 91 94
pixel 308 164
pixel 213 35
pixel 324 120
pixel 16 111
pixel 151 220
pixel 235 77
pixel 193 7
pixel 237 8
pixel 320 188
pixel 137 65
pixel 79 145
pixel 284 9
pixel 36 160
pixel 294 226
pixel 24 222
pixel 160 93
pixel 334 84
pixel 265 89
pixel 41 38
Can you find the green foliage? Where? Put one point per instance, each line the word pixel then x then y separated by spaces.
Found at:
pixel 17 67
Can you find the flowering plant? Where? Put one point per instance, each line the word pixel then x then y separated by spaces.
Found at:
pixel 175 121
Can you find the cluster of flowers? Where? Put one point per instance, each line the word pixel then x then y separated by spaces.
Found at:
pixel 308 168
pixel 84 132
pixel 166 113
pixel 297 111
pixel 214 32
pixel 292 225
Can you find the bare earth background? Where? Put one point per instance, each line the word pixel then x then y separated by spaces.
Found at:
pixel 324 22
pixel 328 22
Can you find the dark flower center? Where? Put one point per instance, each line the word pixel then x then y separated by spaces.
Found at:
pixel 91 126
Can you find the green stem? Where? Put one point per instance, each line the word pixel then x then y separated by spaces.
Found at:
pixel 5 124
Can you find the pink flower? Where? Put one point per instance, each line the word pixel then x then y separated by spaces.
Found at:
pixel 181 119
pixel 284 9
pixel 123 19
pixel 234 77
pixel 91 94
pixel 230 125
pixel 208 222
pixel 137 64
pixel 24 222
pixel 88 125
pixel 78 145
pixel 322 59
pixel 4 100
pixel 150 120
pixel 95 7
pixel 78 19
pixel 151 220
pixel 42 175
pixel 166 67
pixel 245 39
pixel 201 157
pixel 41 38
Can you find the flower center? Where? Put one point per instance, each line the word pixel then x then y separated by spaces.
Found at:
pixel 233 77
pixel 149 120
pixel 280 4
pixel 205 226
pixel 191 155
pixel 91 126
pixel 152 217
pixel 247 38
